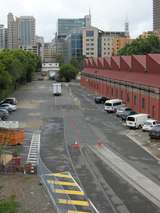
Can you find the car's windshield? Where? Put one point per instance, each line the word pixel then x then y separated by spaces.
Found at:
pixel 108 104
pixel 131 118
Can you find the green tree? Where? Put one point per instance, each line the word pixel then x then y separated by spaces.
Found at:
pixel 142 46
pixel 78 62
pixel 68 72
pixel 59 59
pixel 16 67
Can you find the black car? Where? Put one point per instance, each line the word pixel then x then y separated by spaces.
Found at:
pixel 100 99
pixel 155 132
pixel 125 114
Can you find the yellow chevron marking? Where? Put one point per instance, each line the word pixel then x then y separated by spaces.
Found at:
pixel 73 202
pixel 69 192
pixel 71 211
pixel 60 175
pixel 62 183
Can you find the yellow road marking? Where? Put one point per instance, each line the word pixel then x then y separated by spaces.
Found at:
pixel 69 192
pixel 71 211
pixel 60 175
pixel 62 183
pixel 73 202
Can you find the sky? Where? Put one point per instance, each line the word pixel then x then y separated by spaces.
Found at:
pixel 107 15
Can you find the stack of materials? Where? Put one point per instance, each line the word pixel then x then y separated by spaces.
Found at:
pixel 10 134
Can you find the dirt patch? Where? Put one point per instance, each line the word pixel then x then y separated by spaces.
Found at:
pixel 29 193
pixel 31 104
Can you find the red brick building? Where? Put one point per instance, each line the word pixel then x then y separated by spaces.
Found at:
pixel 134 79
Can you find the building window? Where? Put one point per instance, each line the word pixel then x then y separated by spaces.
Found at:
pixel 89 33
pixel 143 103
pixel 135 100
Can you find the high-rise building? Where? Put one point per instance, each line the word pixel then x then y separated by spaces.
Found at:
pixel 26 31
pixel 73 46
pixel 12 31
pixel 65 26
pixel 156 15
pixel 2 36
pixel 40 46
pixel 21 31
pixel 106 42
pixel 6 37
pixel 90 41
pixel 120 42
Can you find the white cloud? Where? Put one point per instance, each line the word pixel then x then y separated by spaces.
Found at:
pixel 106 14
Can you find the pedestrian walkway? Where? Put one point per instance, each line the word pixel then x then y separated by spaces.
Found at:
pixel 33 155
pixel 143 184
pixel 66 194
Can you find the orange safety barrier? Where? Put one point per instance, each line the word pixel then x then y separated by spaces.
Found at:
pixel 11 136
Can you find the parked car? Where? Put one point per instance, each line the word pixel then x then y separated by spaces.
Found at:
pixel 125 114
pixel 149 124
pixel 136 121
pixel 112 105
pixel 3 115
pixel 121 110
pixel 10 100
pixel 155 132
pixel 100 99
pixel 4 108
pixel 9 107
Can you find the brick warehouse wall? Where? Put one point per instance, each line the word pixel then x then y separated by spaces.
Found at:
pixel 134 79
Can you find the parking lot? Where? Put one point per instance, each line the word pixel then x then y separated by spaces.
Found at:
pixel 75 117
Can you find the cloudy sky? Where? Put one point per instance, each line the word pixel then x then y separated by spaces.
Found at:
pixel 106 14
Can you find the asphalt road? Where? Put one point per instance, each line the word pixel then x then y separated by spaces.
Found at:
pixel 75 117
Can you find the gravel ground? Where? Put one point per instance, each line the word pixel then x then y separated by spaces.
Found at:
pixel 28 191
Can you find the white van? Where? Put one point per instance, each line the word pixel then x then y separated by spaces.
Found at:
pixel 112 105
pixel 57 88
pixel 136 121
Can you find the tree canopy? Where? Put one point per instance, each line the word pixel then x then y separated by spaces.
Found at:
pixel 68 72
pixel 16 67
pixel 142 46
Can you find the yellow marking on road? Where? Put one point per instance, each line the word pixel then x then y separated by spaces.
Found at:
pixel 62 183
pixel 71 211
pixel 73 202
pixel 69 192
pixel 60 175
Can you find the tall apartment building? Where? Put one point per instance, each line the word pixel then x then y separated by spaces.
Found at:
pixel 12 31
pixel 21 31
pixel 156 15
pixel 26 31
